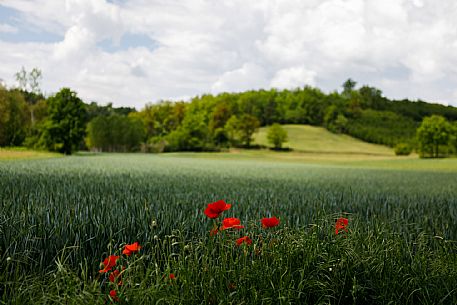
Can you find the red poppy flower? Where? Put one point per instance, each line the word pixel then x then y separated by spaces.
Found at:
pixel 132 248
pixel 172 276
pixel 231 223
pixel 113 295
pixel 242 240
pixel 109 263
pixel 216 208
pixel 213 232
pixel 114 277
pixel 270 222
pixel 341 225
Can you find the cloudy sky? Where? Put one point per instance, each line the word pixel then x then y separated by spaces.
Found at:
pixel 139 51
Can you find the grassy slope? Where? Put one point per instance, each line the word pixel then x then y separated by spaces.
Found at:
pixel 305 138
pixel 316 145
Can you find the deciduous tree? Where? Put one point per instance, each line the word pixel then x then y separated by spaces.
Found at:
pixel 64 127
pixel 276 135
pixel 433 133
pixel 248 125
pixel 14 119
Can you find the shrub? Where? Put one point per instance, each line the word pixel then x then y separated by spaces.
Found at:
pixel 403 149
pixel 276 136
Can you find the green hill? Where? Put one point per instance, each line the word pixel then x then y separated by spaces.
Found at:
pixel 311 139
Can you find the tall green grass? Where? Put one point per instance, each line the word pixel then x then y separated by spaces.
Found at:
pixel 60 217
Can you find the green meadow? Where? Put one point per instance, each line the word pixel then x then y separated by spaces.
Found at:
pixel 60 217
pixel 313 139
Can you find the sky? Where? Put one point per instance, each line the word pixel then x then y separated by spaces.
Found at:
pixel 141 51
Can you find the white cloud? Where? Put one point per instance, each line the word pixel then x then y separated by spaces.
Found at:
pixel 76 45
pixel 249 76
pixel 408 48
pixel 6 28
pixel 293 77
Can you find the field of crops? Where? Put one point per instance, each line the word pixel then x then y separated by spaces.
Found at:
pixel 60 218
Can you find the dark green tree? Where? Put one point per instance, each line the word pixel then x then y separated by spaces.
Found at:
pixel 276 135
pixel 14 118
pixel 99 134
pixel 115 133
pixel 64 128
pixel 371 97
pixel 247 126
pixel 453 139
pixel 231 129
pixel 192 135
pixel 432 134
pixel 334 120
pixel 348 87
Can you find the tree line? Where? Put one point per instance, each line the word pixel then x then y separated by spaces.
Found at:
pixel 63 122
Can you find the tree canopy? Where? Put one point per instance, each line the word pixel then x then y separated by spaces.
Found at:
pixel 64 127
pixel 432 134
pixel 14 118
pixel 208 122
pixel 276 136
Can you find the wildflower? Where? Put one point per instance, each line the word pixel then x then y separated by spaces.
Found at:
pixel 132 248
pixel 213 232
pixel 172 276
pixel 216 208
pixel 242 240
pixel 231 223
pixel 270 222
pixel 114 277
pixel 113 295
pixel 109 263
pixel 341 225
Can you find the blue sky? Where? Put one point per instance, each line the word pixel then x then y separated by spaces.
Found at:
pixel 139 51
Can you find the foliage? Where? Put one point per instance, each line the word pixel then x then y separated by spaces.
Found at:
pixel 231 118
pixel 64 128
pixel 14 119
pixel 276 135
pixel 403 149
pixel 453 137
pixel 232 131
pixel 162 118
pixel 94 110
pixel 432 135
pixel 115 133
pixel 38 115
pixel 247 125
pixel 334 120
pixel 382 127
pixel 348 86
pixel 191 135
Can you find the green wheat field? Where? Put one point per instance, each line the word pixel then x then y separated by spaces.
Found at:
pixel 60 217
